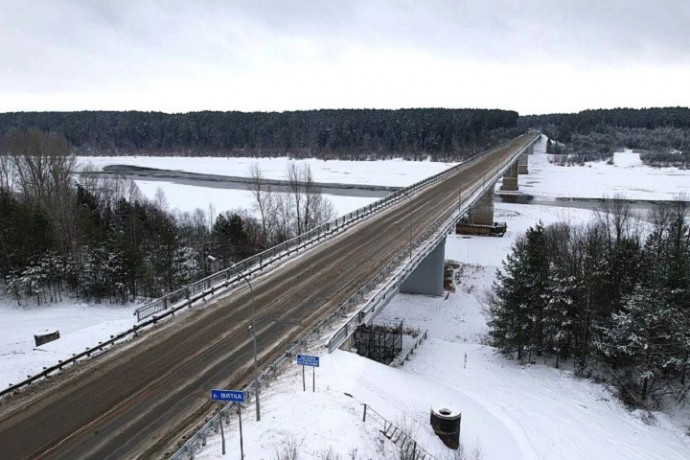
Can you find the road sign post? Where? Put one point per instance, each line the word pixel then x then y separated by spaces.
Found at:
pixel 313 362
pixel 239 415
pixel 222 435
pixel 233 397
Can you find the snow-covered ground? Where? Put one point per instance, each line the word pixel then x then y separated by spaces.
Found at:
pixel 187 198
pixel 509 411
pixel 81 326
pixel 627 176
pixel 397 172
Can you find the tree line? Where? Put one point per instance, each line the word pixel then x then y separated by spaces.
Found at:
pixel 606 295
pixel 443 134
pixel 97 238
pixel 662 133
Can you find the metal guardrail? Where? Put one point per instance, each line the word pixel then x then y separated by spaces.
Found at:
pixel 186 451
pixel 198 439
pixel 114 339
pixel 215 283
pixel 280 251
pixel 428 241
pixel 289 247
pixel 185 297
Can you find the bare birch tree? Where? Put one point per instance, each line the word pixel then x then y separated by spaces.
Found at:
pixel 5 172
pixel 41 168
pixel 295 178
pixel 262 197
pixel 311 208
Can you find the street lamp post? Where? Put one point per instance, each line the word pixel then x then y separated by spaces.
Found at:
pixel 256 364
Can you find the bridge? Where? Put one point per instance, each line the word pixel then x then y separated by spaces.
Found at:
pixel 138 399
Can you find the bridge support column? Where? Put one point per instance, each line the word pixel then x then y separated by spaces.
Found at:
pixel 482 212
pixel 427 278
pixel 523 163
pixel 510 179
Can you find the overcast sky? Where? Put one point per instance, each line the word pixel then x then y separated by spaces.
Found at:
pixel 533 56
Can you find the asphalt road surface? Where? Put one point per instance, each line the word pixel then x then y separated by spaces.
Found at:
pixel 136 400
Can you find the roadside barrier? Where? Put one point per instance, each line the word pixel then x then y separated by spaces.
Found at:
pixel 370 307
pixel 185 297
pixel 294 245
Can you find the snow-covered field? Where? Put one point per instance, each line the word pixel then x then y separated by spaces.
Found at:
pixel 187 198
pixel 81 325
pixel 508 411
pixel 627 177
pixel 396 172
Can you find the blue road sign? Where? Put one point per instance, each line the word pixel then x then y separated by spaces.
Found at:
pixel 306 360
pixel 227 395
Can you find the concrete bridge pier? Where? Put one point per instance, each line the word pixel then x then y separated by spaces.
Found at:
pixel 523 160
pixel 510 179
pixel 482 212
pixel 523 163
pixel 427 278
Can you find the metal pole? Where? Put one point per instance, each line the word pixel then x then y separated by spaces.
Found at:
pixel 304 382
pixel 313 379
pixel 409 218
pixel 256 365
pixel 222 434
pixel 239 414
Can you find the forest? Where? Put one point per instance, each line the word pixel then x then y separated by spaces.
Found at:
pixel 662 134
pixel 442 134
pixel 610 298
pixel 82 235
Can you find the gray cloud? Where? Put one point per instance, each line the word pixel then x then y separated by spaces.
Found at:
pixel 79 46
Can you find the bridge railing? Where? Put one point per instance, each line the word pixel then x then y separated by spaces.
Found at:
pixel 385 294
pixel 187 450
pixel 428 242
pixel 208 287
pixel 294 245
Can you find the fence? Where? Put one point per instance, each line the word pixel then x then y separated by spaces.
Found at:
pixel 400 360
pixel 379 342
pixel 407 445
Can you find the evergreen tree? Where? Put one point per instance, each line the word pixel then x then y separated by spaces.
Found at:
pixel 517 314
pixel 559 314
pixel 639 337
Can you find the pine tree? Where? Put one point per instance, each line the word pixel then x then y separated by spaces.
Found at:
pixel 559 314
pixel 518 310
pixel 639 337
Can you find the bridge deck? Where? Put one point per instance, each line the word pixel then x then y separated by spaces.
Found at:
pixel 135 400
